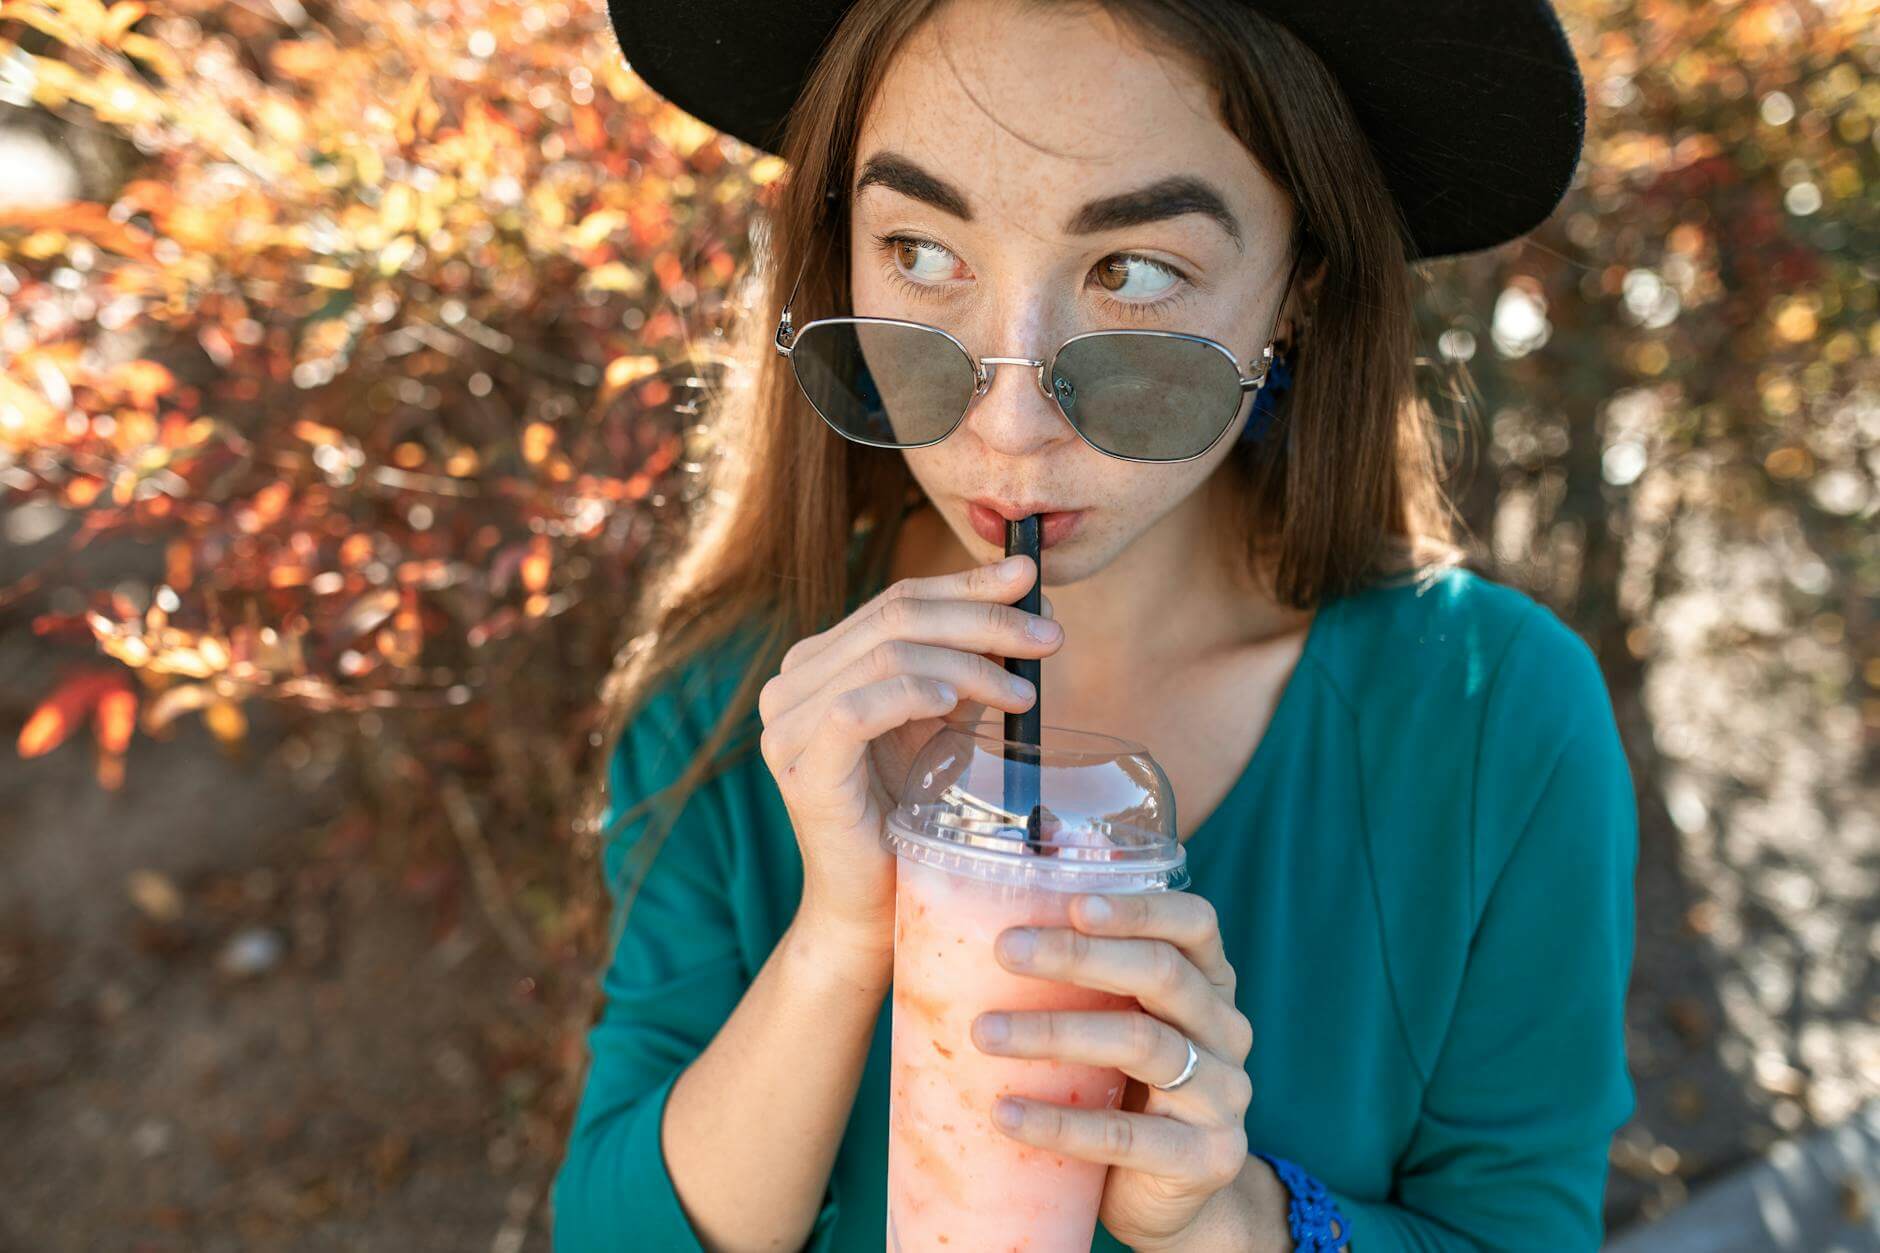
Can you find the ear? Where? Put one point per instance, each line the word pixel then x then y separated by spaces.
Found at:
pixel 1302 294
pixel 1305 296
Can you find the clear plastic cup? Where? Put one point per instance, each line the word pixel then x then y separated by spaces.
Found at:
pixel 969 867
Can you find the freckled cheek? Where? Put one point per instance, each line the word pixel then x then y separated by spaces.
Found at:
pixel 943 473
pixel 1123 506
pixel 868 295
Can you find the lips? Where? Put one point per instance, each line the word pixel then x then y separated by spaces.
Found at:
pixel 1013 513
pixel 988 518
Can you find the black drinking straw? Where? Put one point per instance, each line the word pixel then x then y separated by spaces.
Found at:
pixel 1021 791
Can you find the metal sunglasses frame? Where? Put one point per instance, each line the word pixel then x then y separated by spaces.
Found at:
pixel 787 335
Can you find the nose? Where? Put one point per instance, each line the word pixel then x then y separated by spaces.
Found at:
pixel 1014 416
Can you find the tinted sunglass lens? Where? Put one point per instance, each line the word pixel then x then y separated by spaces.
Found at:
pixel 884 383
pixel 1152 397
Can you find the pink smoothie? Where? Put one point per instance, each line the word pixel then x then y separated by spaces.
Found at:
pixel 955 1181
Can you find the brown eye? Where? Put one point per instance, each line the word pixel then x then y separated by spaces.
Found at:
pixel 1114 272
pixel 908 252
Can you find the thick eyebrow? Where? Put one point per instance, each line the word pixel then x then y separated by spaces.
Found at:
pixel 1170 197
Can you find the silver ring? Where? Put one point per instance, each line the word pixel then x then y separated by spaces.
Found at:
pixel 1188 1071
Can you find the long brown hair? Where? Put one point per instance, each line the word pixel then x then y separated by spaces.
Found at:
pixel 1347 490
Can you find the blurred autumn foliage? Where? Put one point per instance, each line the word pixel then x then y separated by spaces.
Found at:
pixel 1694 330
pixel 1678 447
pixel 382 338
pixel 373 374
pixel 391 333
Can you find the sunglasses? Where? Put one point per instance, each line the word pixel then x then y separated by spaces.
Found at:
pixel 1156 396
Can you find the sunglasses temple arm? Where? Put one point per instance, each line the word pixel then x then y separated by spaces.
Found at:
pixel 1299 252
pixel 785 332
pixel 1266 354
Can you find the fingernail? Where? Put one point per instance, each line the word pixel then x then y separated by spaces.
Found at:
pixel 1042 629
pixel 1007 1112
pixel 1019 945
pixel 994 1028
pixel 1010 566
pixel 1096 909
pixel 1020 687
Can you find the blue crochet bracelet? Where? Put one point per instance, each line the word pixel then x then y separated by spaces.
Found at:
pixel 1311 1214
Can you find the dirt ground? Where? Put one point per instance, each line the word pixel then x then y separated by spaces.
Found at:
pixel 301 1059
pixel 224 1025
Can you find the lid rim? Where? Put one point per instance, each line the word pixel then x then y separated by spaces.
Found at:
pixel 1166 874
pixel 1158 858
pixel 1049 752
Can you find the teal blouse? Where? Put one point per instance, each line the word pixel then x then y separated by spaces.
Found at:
pixel 1424 883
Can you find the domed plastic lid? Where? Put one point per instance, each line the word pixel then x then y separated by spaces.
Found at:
pixel 1104 811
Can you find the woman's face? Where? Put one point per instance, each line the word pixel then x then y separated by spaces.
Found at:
pixel 983 166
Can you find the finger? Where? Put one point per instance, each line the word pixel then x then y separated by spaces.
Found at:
pixel 1155 972
pixel 1201 1159
pixel 963 627
pixel 1141 1046
pixel 991 582
pixel 970 676
pixel 834 752
pixel 1047 609
pixel 1184 919
pixel 989 628
pixel 972 711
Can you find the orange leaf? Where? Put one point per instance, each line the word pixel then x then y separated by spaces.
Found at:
pixel 152 53
pixel 226 721
pixel 179 564
pixel 122 16
pixel 622 372
pixel 537 439
pixel 24 414
pixel 270 503
pixel 61 712
pixel 365 614
pixel 184 696
pixel 114 719
pixel 304 59
pixel 49 24
pixel 535 566
pixel 144 380
pixel 153 195
pixel 417 112
pixel 44 731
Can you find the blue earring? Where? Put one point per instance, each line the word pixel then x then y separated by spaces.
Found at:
pixel 1266 399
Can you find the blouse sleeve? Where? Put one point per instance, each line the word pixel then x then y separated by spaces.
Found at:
pixel 1530 1085
pixel 675 976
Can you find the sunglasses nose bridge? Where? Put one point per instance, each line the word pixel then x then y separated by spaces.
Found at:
pixel 1037 368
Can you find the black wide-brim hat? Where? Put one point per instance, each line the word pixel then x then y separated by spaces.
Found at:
pixel 1475 108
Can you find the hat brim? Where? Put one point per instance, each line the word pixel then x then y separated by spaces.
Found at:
pixel 1475 109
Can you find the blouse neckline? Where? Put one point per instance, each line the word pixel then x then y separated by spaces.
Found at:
pixel 1285 712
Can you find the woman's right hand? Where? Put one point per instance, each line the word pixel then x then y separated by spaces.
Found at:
pixel 851 706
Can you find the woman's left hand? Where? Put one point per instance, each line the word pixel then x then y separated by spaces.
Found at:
pixel 1170 1153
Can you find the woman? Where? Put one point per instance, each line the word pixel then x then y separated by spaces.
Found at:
pixel 1409 823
